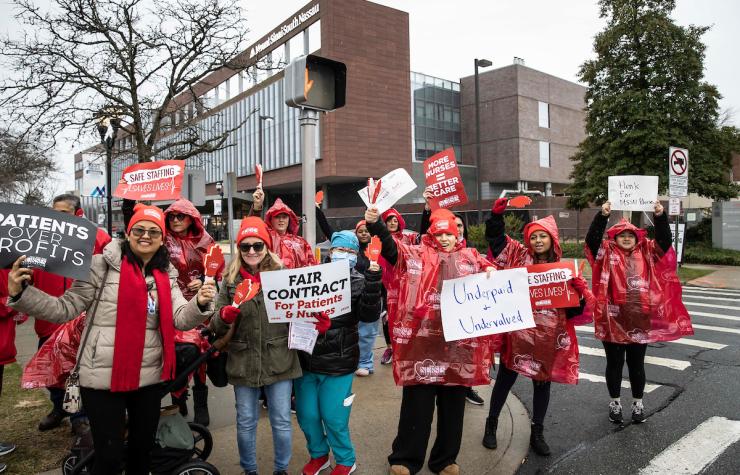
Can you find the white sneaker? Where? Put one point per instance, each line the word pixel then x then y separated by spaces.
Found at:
pixel 362 372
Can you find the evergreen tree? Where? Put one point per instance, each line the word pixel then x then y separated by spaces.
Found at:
pixel 646 93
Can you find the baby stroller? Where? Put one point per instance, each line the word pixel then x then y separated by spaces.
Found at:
pixel 165 460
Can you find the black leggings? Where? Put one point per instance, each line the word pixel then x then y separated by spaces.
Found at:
pixel 615 354
pixel 504 381
pixel 386 333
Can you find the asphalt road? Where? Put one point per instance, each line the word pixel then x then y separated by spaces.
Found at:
pixel 692 401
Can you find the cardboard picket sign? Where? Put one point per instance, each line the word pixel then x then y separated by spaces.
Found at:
pixel 245 291
pixel 372 251
pixel 388 190
pixel 477 305
pixel 633 192
pixel 442 176
pixel 52 241
pixel 296 294
pixel 550 285
pixel 160 180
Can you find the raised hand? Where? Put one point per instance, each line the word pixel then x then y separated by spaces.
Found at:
pixel 658 208
pixel 606 208
pixel 372 215
pixel 206 293
pixel 17 276
pixel 259 198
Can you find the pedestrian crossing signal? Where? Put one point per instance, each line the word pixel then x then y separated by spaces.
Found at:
pixel 314 82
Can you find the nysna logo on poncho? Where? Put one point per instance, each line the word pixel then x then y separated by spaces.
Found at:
pixel 465 267
pixel 638 336
pixel 429 370
pixel 527 364
pixel 563 341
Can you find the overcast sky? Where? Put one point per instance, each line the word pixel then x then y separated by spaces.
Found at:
pixel 553 36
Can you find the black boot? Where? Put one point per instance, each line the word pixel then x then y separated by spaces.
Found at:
pixel 181 403
pixel 537 440
pixel 200 406
pixel 489 437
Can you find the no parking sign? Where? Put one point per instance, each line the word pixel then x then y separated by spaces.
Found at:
pixel 678 172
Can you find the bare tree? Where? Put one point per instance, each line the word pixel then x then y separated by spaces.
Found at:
pixel 146 61
pixel 25 171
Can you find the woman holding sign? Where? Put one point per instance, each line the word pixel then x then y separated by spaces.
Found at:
pixel 545 353
pixel 638 299
pixel 128 348
pixel 258 350
pixel 429 368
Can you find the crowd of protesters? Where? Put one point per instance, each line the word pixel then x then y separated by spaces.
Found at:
pixel 148 306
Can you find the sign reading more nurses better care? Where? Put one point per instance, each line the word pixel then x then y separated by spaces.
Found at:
pixel 550 285
pixel 443 176
pixel 152 181
pixel 296 294
pixel 478 305
pixel 633 192
pixel 52 241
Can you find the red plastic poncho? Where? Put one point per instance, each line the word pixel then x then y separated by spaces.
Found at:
pixel 7 323
pixel 549 351
pixel 420 353
pixel 638 294
pixel 52 364
pixel 293 250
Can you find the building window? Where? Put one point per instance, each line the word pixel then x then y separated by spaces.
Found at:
pixel 544 114
pixel 545 154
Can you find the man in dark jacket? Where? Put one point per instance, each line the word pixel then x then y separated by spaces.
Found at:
pixel 324 392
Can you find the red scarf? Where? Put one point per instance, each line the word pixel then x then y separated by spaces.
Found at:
pixel 247 276
pixel 128 349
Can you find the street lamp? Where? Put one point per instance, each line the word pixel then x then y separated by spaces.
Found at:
pixel 263 118
pixel 108 129
pixel 483 63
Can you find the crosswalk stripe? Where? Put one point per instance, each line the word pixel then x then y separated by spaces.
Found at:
pixel 709 290
pixel 697 449
pixel 700 304
pixel 681 341
pixel 712 297
pixel 654 360
pixel 595 378
pixel 717 329
pixel 715 315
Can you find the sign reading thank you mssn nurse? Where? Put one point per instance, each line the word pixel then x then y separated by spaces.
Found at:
pixel 55 242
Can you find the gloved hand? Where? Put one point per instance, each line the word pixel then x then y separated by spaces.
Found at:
pixel 581 286
pixel 229 313
pixel 323 322
pixel 499 206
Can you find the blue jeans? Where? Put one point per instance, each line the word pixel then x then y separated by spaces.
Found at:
pixel 368 333
pixel 323 416
pixel 247 415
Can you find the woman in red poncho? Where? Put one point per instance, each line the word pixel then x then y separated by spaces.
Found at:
pixel 188 242
pixel 638 299
pixel 549 351
pixel 429 368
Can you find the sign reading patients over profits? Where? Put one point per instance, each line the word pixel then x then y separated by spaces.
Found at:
pixel 443 176
pixel 477 305
pixel 550 285
pixel 52 241
pixel 633 192
pixel 678 172
pixel 393 186
pixel 152 181
pixel 296 294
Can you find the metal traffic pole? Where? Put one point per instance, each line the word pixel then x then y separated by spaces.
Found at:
pixel 308 120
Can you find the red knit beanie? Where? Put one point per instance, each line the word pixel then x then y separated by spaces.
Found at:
pixel 253 226
pixel 143 212
pixel 360 223
pixel 443 221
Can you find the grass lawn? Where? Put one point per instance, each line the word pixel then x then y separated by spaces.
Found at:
pixel 20 413
pixel 686 274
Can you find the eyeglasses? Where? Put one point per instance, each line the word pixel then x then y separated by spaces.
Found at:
pixel 257 246
pixel 177 217
pixel 152 233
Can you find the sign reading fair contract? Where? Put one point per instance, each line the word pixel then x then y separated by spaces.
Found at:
pixel 55 242
pixel 633 192
pixel 550 285
pixel 296 294
pixel 393 186
pixel 152 181
pixel 443 176
pixel 477 305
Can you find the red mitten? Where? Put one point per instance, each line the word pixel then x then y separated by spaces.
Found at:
pixel 323 322
pixel 499 206
pixel 229 314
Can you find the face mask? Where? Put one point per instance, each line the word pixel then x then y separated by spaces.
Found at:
pixel 342 256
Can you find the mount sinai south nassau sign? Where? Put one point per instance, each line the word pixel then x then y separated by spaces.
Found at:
pixel 275 37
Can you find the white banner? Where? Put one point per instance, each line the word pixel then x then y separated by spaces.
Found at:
pixel 393 186
pixel 295 294
pixel 633 192
pixel 476 305
pixel 681 230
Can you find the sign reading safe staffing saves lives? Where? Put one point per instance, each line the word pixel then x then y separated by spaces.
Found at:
pixel 443 176
pixel 152 181
pixel 296 294
pixel 477 305
pixel 52 241
pixel 550 285
pixel 633 192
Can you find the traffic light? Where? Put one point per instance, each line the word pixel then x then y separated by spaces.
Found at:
pixel 313 82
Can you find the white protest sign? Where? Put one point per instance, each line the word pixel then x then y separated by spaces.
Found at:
pixel 633 192
pixel 295 294
pixel 476 305
pixel 393 186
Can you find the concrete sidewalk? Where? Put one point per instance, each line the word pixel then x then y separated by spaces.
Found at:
pixel 723 277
